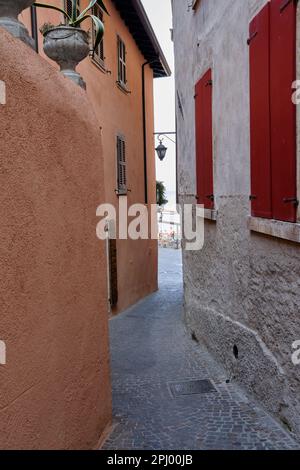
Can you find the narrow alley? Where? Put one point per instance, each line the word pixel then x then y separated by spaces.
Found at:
pixel 146 141
pixel 152 355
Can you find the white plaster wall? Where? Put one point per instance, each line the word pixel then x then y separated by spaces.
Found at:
pixel 243 288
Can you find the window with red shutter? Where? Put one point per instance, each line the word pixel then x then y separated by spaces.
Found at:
pixel 260 143
pixel 283 111
pixel 204 141
pixel 272 45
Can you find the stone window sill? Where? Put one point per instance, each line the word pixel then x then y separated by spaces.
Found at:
pixel 123 88
pixel 211 214
pixel 99 65
pixel 121 192
pixel 275 228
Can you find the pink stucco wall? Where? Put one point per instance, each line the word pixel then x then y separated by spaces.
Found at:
pixel 55 387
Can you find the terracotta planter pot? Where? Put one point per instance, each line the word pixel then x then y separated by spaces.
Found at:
pixel 67 46
pixel 9 12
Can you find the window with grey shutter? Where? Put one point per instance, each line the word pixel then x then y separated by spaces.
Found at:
pixel 113 272
pixel 98 54
pixel 69 5
pixel 121 164
pixel 122 78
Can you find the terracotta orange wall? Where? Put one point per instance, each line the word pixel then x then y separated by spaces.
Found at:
pixel 121 113
pixel 55 388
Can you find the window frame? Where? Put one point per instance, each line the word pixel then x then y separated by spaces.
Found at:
pixel 122 186
pixel 122 63
pixel 98 58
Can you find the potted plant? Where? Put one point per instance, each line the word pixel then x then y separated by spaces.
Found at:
pixel 68 44
pixel 9 12
pixel 161 194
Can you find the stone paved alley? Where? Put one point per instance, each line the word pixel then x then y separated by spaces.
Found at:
pixel 151 351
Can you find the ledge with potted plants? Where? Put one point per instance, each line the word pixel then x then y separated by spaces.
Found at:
pixel 67 44
pixel 9 12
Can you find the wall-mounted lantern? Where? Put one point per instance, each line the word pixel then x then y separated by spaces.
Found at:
pixel 161 149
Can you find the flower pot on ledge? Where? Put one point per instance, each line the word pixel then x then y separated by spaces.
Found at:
pixel 9 12
pixel 67 46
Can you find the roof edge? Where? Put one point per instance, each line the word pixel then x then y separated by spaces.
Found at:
pixel 152 36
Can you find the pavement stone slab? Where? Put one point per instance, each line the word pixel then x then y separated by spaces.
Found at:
pixel 151 349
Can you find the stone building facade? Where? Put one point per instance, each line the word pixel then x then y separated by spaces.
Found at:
pixel 242 290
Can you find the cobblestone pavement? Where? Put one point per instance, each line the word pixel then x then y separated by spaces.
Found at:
pixel 150 350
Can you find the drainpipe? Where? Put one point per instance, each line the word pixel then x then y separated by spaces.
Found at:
pixel 149 62
pixel 145 132
pixel 34 29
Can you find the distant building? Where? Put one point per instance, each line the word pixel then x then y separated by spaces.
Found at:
pixel 119 77
pixel 238 154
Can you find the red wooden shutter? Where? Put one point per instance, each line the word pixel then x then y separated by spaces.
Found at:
pixel 283 111
pixel 204 141
pixel 259 43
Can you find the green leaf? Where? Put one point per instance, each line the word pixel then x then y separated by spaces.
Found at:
pixel 99 30
pixel 98 25
pixel 101 4
pixel 90 5
pixel 80 20
pixel 52 7
pixel 161 193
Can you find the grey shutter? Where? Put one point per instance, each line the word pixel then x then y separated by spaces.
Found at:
pixel 68 7
pixel 121 61
pixel 113 272
pixel 121 156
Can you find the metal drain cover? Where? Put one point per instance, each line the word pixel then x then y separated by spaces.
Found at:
pixel 191 387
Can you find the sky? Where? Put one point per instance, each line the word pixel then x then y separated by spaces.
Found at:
pixel 160 15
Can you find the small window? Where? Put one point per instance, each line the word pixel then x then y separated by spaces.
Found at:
pixel 195 4
pixel 122 79
pixel 68 7
pixel 98 54
pixel 121 165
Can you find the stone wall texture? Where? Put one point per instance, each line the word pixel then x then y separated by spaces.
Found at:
pixel 55 387
pixel 242 289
